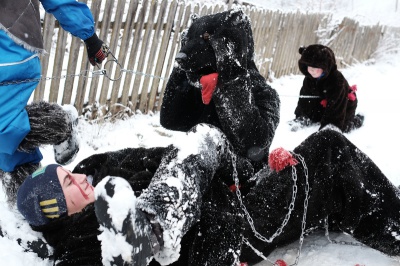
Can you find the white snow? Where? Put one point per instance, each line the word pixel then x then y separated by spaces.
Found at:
pixel 378 94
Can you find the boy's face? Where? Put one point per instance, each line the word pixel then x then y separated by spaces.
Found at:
pixel 315 72
pixel 77 191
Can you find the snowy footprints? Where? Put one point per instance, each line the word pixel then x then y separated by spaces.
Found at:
pixel 126 232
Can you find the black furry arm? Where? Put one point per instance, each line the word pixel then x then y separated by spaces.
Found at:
pixel 137 165
pixel 248 109
pixel 308 104
pixel 182 107
pixel 336 88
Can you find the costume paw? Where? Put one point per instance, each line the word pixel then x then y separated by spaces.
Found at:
pixel 280 158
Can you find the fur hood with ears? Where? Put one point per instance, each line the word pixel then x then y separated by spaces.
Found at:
pixel 318 56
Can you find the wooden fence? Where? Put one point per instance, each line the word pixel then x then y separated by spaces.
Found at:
pixel 143 35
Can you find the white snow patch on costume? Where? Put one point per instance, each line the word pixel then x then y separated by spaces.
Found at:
pixel 121 203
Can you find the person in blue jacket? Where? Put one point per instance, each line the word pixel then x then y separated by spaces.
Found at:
pixel 23 128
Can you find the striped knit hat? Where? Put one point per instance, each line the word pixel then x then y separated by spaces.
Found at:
pixel 40 198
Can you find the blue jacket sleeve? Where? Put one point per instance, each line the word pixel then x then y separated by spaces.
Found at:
pixel 73 16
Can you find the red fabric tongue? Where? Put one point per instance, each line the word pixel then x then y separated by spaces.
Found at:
pixel 208 83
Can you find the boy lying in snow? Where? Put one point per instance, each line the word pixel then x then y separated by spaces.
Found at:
pixel 185 216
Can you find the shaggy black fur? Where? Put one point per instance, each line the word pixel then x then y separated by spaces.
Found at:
pixel 50 124
pixel 243 105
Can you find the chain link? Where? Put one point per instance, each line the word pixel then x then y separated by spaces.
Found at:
pixel 6 83
pixel 287 216
pixel 100 71
pixel 339 242
pixel 301 96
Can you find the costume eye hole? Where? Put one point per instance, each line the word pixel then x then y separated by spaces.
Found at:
pixel 205 36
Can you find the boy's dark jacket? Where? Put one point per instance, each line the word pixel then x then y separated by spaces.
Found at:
pixel 332 87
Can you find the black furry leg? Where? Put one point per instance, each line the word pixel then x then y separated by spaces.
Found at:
pixel 11 181
pixel 49 125
pixel 52 124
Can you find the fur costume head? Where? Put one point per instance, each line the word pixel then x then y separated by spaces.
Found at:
pixel 318 56
pixel 197 56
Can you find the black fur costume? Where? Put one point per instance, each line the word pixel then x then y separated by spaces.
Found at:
pixel 332 87
pixel 346 187
pixel 243 105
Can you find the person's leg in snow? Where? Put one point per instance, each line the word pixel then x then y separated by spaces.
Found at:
pixel 52 124
pixel 12 180
pixel 171 204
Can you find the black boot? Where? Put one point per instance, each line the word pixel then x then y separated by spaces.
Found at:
pixel 11 181
pixel 356 123
pixel 52 124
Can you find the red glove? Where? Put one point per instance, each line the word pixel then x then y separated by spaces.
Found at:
pixel 208 83
pixel 324 102
pixel 280 158
pixel 352 95
pixel 234 188
pixel 96 50
pixel 280 263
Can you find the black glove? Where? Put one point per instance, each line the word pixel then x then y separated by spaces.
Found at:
pixel 230 51
pixel 96 50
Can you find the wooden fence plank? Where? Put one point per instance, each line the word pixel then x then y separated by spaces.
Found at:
pixel 48 30
pixel 133 55
pixel 144 51
pixel 112 68
pixel 105 31
pixel 144 96
pixel 162 55
pixel 85 65
pixel 71 69
pixel 179 27
pixel 58 65
pixel 124 49
pixel 148 27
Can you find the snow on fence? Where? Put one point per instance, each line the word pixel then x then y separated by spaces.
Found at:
pixel 143 35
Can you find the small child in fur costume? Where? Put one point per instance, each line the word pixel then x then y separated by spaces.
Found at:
pixel 325 96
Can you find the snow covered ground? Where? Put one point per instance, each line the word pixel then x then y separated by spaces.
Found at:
pixel 378 93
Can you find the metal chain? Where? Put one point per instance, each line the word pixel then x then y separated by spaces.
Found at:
pixel 287 216
pixel 339 242
pixel 357 244
pixel 6 83
pixel 300 96
pixel 84 73
pixel 306 197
